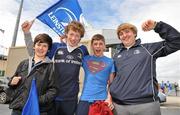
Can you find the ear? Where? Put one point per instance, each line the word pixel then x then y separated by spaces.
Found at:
pixel 104 49
pixel 79 39
pixel 135 35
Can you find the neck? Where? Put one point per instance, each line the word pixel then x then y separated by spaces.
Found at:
pixel 99 55
pixel 71 48
pixel 129 45
pixel 37 59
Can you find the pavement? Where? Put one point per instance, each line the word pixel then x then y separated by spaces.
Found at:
pixel 172 101
pixel 171 106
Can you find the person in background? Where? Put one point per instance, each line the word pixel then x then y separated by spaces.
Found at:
pixel 67 59
pixel 134 89
pixel 98 70
pixel 176 88
pixel 162 85
pixel 38 67
pixel 169 87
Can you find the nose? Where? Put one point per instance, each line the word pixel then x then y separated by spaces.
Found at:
pixel 98 45
pixel 124 35
pixel 40 47
pixel 73 37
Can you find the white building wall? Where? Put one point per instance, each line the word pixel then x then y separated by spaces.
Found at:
pixel 109 34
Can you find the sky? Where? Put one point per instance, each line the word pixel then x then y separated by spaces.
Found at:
pixel 100 14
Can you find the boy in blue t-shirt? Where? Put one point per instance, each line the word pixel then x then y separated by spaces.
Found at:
pixel 98 70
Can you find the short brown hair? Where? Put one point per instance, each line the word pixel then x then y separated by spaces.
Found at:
pixel 98 37
pixel 126 26
pixel 75 26
pixel 43 38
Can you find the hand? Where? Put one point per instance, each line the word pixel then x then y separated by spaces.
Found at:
pixel 62 39
pixel 15 80
pixel 148 25
pixel 26 26
pixel 110 104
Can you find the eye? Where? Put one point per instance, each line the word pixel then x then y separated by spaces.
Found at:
pixel 38 44
pixel 126 31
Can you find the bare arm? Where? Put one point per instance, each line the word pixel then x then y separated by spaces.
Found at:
pixel 109 99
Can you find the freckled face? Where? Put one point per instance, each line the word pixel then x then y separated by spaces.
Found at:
pixel 73 38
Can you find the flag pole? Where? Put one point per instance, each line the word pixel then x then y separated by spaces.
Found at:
pixel 17 25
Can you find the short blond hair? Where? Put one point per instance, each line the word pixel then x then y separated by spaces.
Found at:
pixel 124 26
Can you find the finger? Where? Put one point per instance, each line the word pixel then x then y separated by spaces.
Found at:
pixel 19 78
pixel 111 106
pixel 14 82
pixel 144 28
pixel 24 24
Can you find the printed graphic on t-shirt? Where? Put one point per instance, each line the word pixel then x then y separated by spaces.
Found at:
pixel 95 66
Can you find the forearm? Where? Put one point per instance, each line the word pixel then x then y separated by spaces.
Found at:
pixel 167 32
pixel 29 43
pixel 170 35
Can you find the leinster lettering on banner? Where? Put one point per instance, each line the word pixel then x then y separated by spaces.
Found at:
pixel 67 61
pixel 60 14
pixel 60 24
pixel 57 24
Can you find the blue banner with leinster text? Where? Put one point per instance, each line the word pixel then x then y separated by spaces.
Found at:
pixel 60 14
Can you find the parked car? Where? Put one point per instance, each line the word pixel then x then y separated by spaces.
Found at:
pixel 3 86
pixel 162 97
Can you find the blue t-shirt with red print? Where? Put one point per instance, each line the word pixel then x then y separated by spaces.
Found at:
pixel 97 71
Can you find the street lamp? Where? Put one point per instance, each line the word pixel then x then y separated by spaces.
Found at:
pixel 17 25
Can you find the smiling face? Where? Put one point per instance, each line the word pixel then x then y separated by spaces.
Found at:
pixel 127 34
pixel 98 45
pixel 74 31
pixel 42 43
pixel 73 38
pixel 127 37
pixel 40 49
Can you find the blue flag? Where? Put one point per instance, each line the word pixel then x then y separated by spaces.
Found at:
pixel 32 104
pixel 60 14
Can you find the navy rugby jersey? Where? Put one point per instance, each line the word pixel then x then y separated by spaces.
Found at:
pixel 67 66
